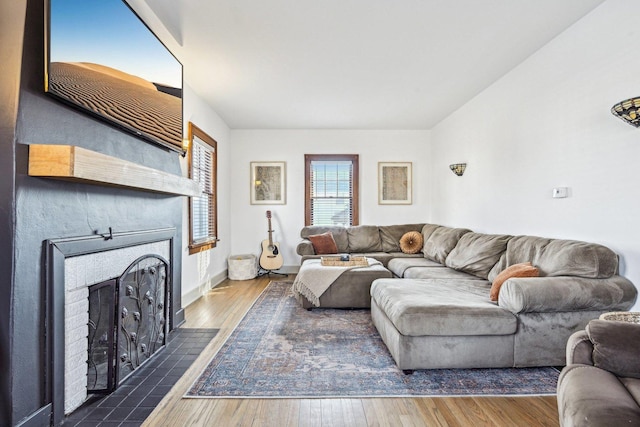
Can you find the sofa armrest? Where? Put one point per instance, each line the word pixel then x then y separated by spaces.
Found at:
pixel 305 248
pixel 616 346
pixel 579 349
pixel 566 293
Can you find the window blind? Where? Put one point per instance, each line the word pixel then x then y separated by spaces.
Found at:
pixel 331 192
pixel 203 207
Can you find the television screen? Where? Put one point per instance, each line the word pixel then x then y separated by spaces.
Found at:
pixel 103 59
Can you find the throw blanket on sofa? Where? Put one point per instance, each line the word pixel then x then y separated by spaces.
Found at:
pixel 314 279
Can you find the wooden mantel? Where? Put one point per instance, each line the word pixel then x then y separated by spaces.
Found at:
pixel 73 163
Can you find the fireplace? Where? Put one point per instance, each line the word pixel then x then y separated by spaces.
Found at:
pixel 127 319
pixel 109 305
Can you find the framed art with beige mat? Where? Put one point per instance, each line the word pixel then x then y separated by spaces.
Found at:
pixel 394 183
pixel 268 183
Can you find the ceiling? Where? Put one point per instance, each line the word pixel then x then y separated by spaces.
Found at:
pixel 353 64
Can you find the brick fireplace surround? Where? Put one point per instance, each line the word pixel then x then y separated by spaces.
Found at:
pixel 72 266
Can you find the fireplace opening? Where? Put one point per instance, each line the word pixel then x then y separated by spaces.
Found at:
pixel 101 338
pixel 127 322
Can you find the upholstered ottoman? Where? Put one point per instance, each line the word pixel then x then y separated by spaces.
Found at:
pixel 350 290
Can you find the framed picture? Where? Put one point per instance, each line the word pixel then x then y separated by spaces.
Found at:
pixel 394 183
pixel 268 183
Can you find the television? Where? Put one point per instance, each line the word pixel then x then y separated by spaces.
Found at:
pixel 103 59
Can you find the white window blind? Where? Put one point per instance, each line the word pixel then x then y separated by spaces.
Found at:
pixel 331 192
pixel 203 221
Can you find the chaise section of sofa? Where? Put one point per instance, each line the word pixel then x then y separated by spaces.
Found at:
pixel 442 323
pixel 578 282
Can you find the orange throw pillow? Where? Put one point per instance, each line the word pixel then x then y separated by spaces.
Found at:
pixel 323 243
pixel 524 269
pixel 411 242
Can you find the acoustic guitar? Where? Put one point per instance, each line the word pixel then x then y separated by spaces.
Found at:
pixel 271 258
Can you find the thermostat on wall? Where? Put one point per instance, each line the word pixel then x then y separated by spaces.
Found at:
pixel 560 192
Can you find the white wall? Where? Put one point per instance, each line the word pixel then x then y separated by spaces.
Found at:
pixel 206 269
pixel 249 223
pixel 547 124
pixel 203 270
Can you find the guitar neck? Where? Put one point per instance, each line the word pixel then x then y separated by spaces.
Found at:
pixel 270 233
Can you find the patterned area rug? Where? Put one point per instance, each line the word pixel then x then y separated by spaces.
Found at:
pixel 281 350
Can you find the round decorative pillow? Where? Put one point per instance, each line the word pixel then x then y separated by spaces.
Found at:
pixel 411 242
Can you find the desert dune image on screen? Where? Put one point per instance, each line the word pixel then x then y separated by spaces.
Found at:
pixel 102 58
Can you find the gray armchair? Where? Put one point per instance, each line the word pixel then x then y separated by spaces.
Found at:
pixel 600 386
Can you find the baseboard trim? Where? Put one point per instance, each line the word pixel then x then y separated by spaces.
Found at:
pixel 195 294
pixel 289 269
pixel 178 318
pixel 42 417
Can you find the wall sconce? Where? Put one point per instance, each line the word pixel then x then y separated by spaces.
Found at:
pixel 458 168
pixel 628 110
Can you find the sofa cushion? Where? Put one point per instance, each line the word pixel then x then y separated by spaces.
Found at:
pixel 574 258
pixel 556 257
pixel 399 265
pixel 383 257
pixel 441 242
pixel 403 255
pixel 616 346
pixel 477 253
pixel 339 234
pixel 427 231
pixel 323 243
pixel 364 238
pixel 441 307
pixel 524 269
pixel 390 235
pixel 411 242
pixel 438 273
pixel 566 294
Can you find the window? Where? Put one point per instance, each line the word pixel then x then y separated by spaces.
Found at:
pixel 331 189
pixel 203 210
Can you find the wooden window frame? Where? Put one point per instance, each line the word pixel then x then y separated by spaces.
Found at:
pixel 195 247
pixel 354 159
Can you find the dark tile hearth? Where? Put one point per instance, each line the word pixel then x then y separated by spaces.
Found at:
pixel 136 398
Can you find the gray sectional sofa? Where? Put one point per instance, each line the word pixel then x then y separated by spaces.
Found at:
pixel 436 311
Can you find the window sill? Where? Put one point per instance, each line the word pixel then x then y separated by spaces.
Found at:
pixel 201 247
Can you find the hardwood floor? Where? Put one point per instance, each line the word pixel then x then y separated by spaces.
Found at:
pixel 224 306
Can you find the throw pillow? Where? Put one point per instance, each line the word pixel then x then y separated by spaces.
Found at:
pixel 323 243
pixel 524 269
pixel 411 242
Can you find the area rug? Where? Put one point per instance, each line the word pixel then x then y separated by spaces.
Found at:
pixel 280 350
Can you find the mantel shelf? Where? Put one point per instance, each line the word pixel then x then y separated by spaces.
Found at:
pixel 73 163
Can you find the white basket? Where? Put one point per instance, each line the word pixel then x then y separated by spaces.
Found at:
pixel 242 267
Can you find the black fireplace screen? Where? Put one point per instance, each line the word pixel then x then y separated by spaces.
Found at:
pixel 100 373
pixel 127 322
